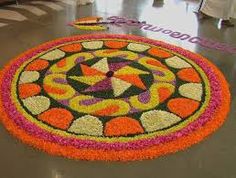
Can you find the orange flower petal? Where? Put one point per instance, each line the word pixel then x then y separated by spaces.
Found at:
pixel 28 89
pixel 155 63
pixel 121 126
pixel 189 75
pixel 86 70
pixel 116 44
pixel 182 106
pixel 164 93
pixel 38 64
pixel 53 90
pixel 61 63
pixel 159 53
pixel 57 117
pixel 72 47
pixel 107 111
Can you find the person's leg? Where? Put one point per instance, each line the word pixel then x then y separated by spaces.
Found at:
pixel 200 14
pixel 230 13
pixel 200 6
pixel 227 23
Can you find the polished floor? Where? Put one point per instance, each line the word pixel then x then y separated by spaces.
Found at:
pixel 212 158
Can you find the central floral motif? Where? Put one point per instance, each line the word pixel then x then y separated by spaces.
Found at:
pixel 109 77
pixel 109 83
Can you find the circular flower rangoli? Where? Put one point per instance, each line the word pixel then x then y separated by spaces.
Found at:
pixel 111 97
